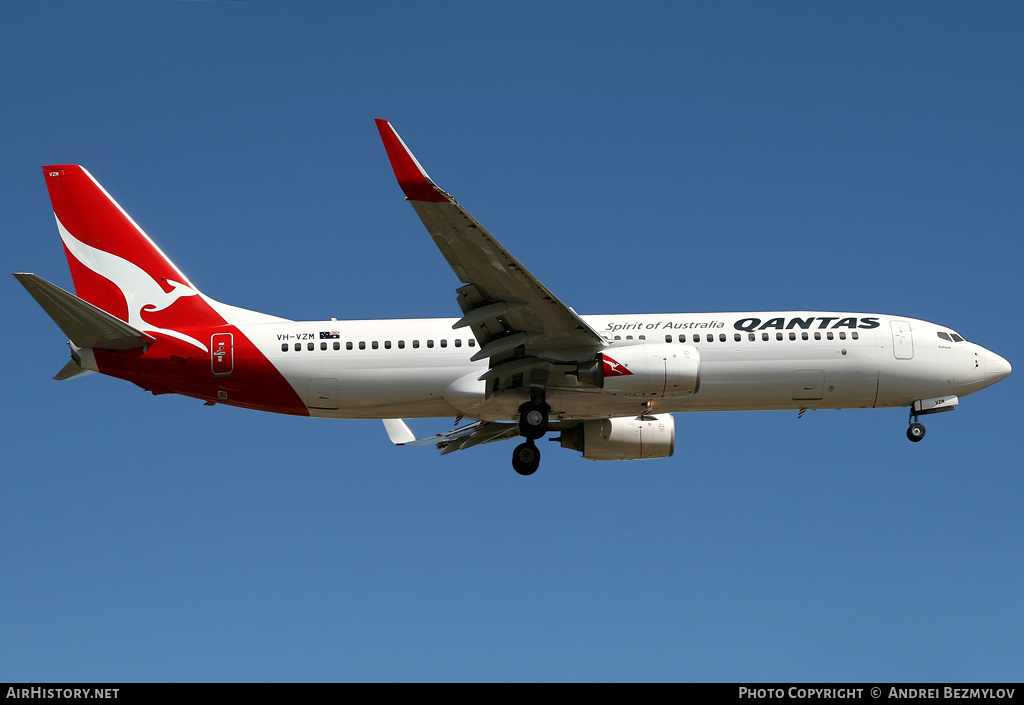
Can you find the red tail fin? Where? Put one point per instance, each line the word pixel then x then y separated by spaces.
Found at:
pixel 114 264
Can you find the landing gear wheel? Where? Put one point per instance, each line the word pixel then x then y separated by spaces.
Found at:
pixel 915 432
pixel 533 420
pixel 526 458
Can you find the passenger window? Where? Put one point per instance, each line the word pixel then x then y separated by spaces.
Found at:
pixel 682 337
pixel 444 343
pixel 323 346
pixel 472 343
pixel 803 336
pixel 430 343
pixel 764 336
pixel 309 346
pixel 415 343
pixel 817 335
pixel 374 345
pixel 855 335
pixel 348 345
pixel 792 335
pixel 721 337
pixel 337 345
pixel 778 336
pixel 642 337
pixel 668 338
pixel 751 337
pixel 284 347
pixel 737 337
pixel 618 337
pixel 458 342
pixel 401 345
pixel 830 335
pixel 842 335
pixel 362 345
pixel 387 344
pixel 696 337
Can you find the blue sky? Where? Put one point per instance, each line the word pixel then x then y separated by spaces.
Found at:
pixel 646 158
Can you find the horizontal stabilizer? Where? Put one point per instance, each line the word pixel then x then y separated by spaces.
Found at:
pixel 72 369
pixel 398 432
pixel 85 325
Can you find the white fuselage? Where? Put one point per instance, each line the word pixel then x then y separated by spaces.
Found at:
pixel 518 354
pixel 748 361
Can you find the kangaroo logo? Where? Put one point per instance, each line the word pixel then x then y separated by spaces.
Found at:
pixel 613 368
pixel 140 290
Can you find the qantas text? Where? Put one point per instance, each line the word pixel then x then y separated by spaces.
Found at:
pixel 751 324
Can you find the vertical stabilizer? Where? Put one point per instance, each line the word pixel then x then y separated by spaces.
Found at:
pixel 114 264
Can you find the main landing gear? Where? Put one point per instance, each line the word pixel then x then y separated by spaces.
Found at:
pixel 533 424
pixel 526 458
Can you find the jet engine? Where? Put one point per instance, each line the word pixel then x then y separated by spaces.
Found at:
pixel 623 438
pixel 651 370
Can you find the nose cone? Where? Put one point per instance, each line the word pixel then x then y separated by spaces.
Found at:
pixel 996 367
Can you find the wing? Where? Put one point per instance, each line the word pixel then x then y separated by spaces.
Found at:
pixel 518 322
pixel 456 439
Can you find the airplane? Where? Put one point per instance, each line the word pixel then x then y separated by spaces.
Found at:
pixel 518 363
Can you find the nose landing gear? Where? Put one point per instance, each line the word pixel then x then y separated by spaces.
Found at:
pixel 915 432
pixel 922 407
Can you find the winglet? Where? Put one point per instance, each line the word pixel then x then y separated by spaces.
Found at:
pixel 398 432
pixel 410 174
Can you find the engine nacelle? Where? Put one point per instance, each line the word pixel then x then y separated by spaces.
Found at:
pixel 623 438
pixel 650 370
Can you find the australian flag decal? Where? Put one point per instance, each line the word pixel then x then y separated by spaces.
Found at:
pixel 326 335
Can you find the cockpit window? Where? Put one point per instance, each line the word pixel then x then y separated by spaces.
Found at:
pixel 957 338
pixel 944 335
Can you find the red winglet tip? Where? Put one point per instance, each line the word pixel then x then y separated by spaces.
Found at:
pixel 414 181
